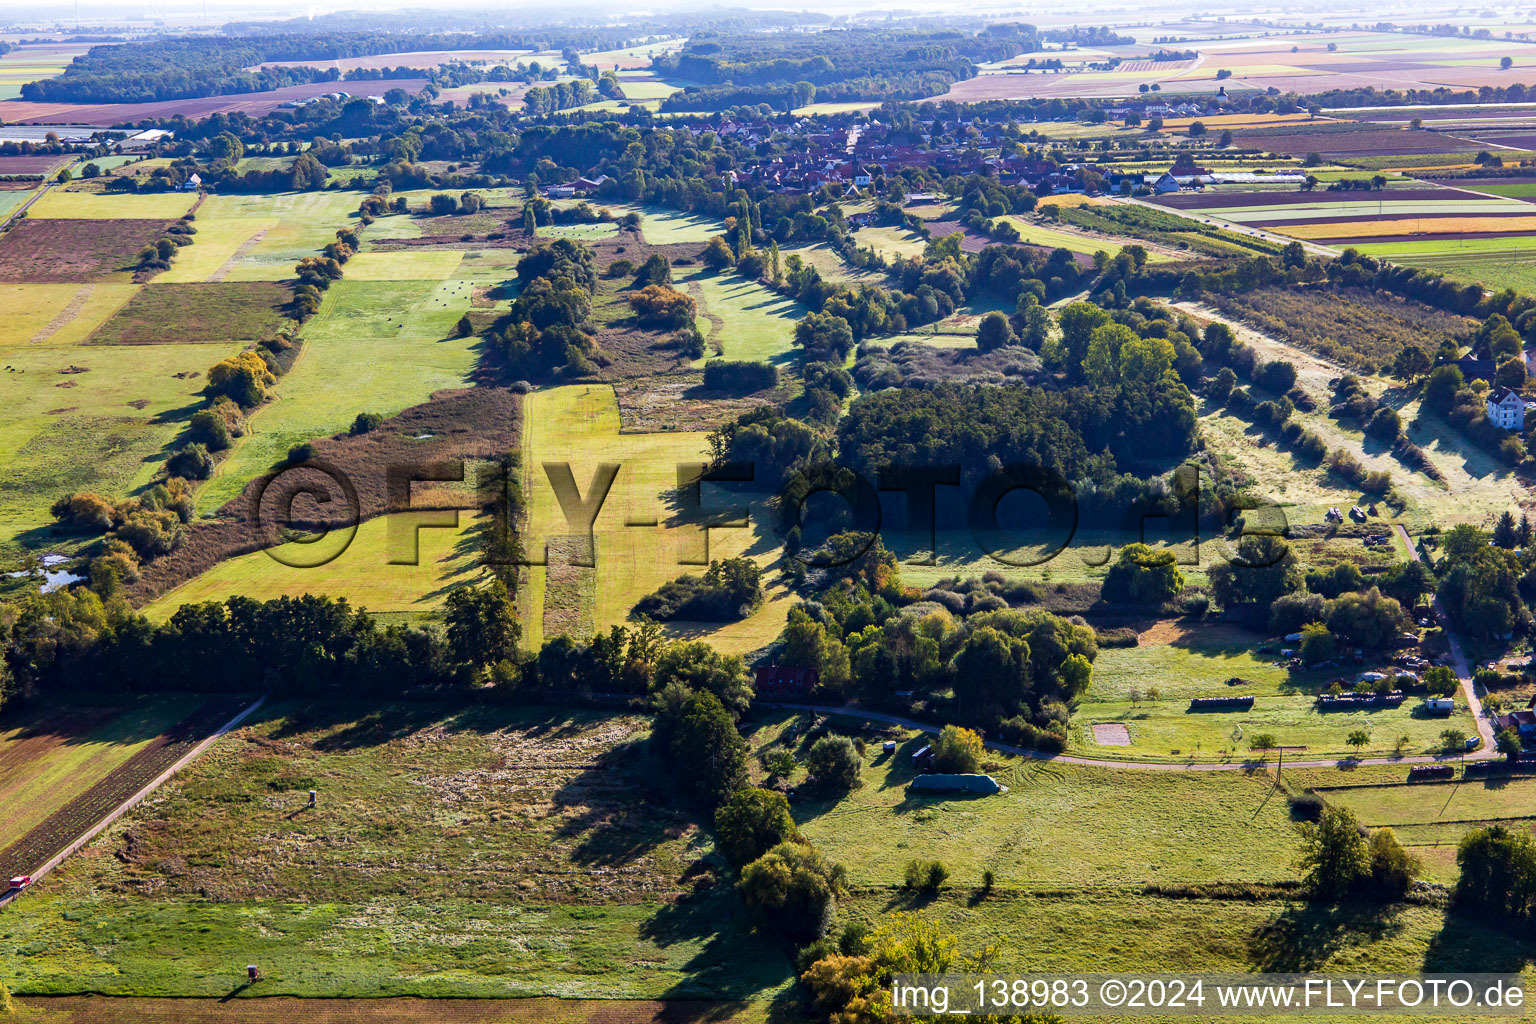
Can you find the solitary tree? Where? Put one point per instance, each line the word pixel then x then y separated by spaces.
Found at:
pixel 1336 855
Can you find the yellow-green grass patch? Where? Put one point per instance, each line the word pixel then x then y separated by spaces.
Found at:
pixel 579 425
pixel 70 204
pixel 363 572
pixel 375 346
pixel 1058 825
pixel 66 314
pixel 217 242
pixel 646 88
pixel 1201 664
pixel 661 226
pixel 409 265
pixel 305 223
pixel 1031 233
pixel 891 242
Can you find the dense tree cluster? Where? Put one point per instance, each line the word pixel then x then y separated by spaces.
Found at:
pixel 543 331
pixel 729 590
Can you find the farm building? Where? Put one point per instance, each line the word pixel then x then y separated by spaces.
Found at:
pixel 1476 369
pixel 1439 705
pixel 983 785
pixel 1346 701
pixel 785 681
pixel 1523 722
pixel 1244 703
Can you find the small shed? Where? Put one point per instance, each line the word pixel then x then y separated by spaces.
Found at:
pixel 922 759
pixel 1439 705
pixel 981 785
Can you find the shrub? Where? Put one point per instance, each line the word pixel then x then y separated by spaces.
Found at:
pixel 752 822
pixel 208 429
pixel 834 764
pixel 85 511
pixel 301 453
pixel 740 375
pixel 366 423
pixel 730 590
pixel 657 305
pixel 1143 575
pixel 925 875
pixel 957 751
pixel 190 461
pixel 791 888
pixel 1306 806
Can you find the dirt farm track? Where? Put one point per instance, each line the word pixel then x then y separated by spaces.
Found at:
pixel 256 1010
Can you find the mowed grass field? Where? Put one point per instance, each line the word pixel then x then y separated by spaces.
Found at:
pixel 375 346
pixel 579 425
pixel 364 572
pixel 51 754
pixel 260 237
pixel 741 317
pixel 88 418
pixel 71 203
pixel 1057 826
pixel 1074 849
pixel 480 852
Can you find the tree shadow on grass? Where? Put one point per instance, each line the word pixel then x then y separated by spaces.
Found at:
pixel 1305 936
pixel 735 961
pixel 1465 944
pixel 624 812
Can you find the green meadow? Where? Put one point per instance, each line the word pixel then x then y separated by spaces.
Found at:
pixel 486 851
pixel 375 346
pixel 89 418
pixel 742 318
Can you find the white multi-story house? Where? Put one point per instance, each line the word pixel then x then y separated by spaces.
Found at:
pixel 1506 409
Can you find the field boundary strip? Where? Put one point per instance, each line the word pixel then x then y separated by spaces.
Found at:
pixel 137 798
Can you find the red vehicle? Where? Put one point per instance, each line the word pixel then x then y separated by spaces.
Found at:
pixel 21 881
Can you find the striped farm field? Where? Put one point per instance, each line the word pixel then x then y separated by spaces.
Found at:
pixel 1363 230
pixel 1367 209
pixel 62 771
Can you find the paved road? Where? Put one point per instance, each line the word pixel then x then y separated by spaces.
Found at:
pixel 37 194
pixel 1459 662
pixel 1099 762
